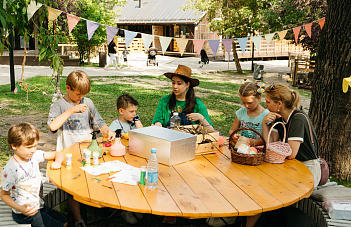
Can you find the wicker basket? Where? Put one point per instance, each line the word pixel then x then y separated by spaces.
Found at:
pixel 247 159
pixel 277 151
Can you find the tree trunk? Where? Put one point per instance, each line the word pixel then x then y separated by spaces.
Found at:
pixel 236 59
pixel 330 108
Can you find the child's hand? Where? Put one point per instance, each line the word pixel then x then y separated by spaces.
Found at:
pixel 81 108
pixel 55 165
pixel 29 209
pixel 270 117
pixel 111 135
pixel 157 124
pixel 236 137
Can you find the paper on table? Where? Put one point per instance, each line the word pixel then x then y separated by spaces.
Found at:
pixel 107 167
pixel 128 176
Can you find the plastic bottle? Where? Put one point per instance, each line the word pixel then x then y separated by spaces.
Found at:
pixel 152 170
pixel 175 120
pixel 95 158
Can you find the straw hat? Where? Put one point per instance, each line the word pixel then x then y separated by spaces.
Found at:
pixel 183 71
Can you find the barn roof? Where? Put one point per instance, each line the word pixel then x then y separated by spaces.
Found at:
pixel 157 12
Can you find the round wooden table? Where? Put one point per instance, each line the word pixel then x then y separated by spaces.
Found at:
pixel 209 186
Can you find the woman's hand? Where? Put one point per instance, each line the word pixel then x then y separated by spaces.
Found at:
pixel 270 117
pixel 195 117
pixel 157 124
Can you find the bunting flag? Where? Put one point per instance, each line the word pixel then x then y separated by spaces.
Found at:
pixel 181 45
pixel 53 13
pixel 165 43
pixel 269 38
pixel 31 9
pixel 147 40
pixel 321 22
pixel 72 22
pixel 282 34
pixel 257 41
pixel 214 44
pixel 110 32
pixel 198 45
pixel 297 32
pixel 308 29
pixel 91 28
pixel 243 43
pixel 228 45
pixel 129 36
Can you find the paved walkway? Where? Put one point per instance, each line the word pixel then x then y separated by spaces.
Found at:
pixel 137 62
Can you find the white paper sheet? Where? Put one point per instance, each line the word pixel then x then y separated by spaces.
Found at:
pixel 128 176
pixel 107 167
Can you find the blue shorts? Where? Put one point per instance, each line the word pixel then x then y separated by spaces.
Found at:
pixel 44 217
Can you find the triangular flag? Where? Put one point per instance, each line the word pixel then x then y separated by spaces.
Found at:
pixel 165 43
pixel 72 22
pixel 257 41
pixel 242 43
pixel 321 22
pixel 31 9
pixel 198 45
pixel 129 36
pixel 53 13
pixel 228 45
pixel 91 28
pixel 214 44
pixel 147 40
pixel 282 34
pixel 308 29
pixel 297 32
pixel 269 38
pixel 110 32
pixel 181 45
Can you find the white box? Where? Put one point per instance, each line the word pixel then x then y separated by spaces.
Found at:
pixel 172 147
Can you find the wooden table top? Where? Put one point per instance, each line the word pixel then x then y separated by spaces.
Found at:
pixel 209 186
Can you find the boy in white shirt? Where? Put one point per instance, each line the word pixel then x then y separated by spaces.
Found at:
pixel 21 178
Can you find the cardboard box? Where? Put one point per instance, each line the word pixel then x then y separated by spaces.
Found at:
pixel 172 147
pixel 206 141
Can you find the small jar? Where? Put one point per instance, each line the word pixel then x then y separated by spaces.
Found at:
pixel 96 158
pixel 69 161
pixel 87 155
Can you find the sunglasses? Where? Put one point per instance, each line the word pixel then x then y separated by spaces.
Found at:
pixel 271 87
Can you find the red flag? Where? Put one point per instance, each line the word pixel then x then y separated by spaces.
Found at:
pixel 308 29
pixel 297 32
pixel 321 22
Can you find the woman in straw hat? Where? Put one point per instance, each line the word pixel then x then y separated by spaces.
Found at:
pixel 182 100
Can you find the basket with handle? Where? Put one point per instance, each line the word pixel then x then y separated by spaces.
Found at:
pixel 247 159
pixel 277 151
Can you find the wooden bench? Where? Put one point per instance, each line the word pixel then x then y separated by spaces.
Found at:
pixel 315 211
pixel 52 196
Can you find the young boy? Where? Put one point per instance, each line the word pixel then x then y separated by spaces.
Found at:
pixel 21 178
pixel 127 120
pixel 73 117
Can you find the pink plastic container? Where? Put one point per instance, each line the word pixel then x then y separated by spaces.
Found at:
pixel 117 149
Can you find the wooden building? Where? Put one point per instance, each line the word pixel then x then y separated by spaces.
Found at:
pixel 164 18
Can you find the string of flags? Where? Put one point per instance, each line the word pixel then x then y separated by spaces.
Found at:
pixel 165 41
